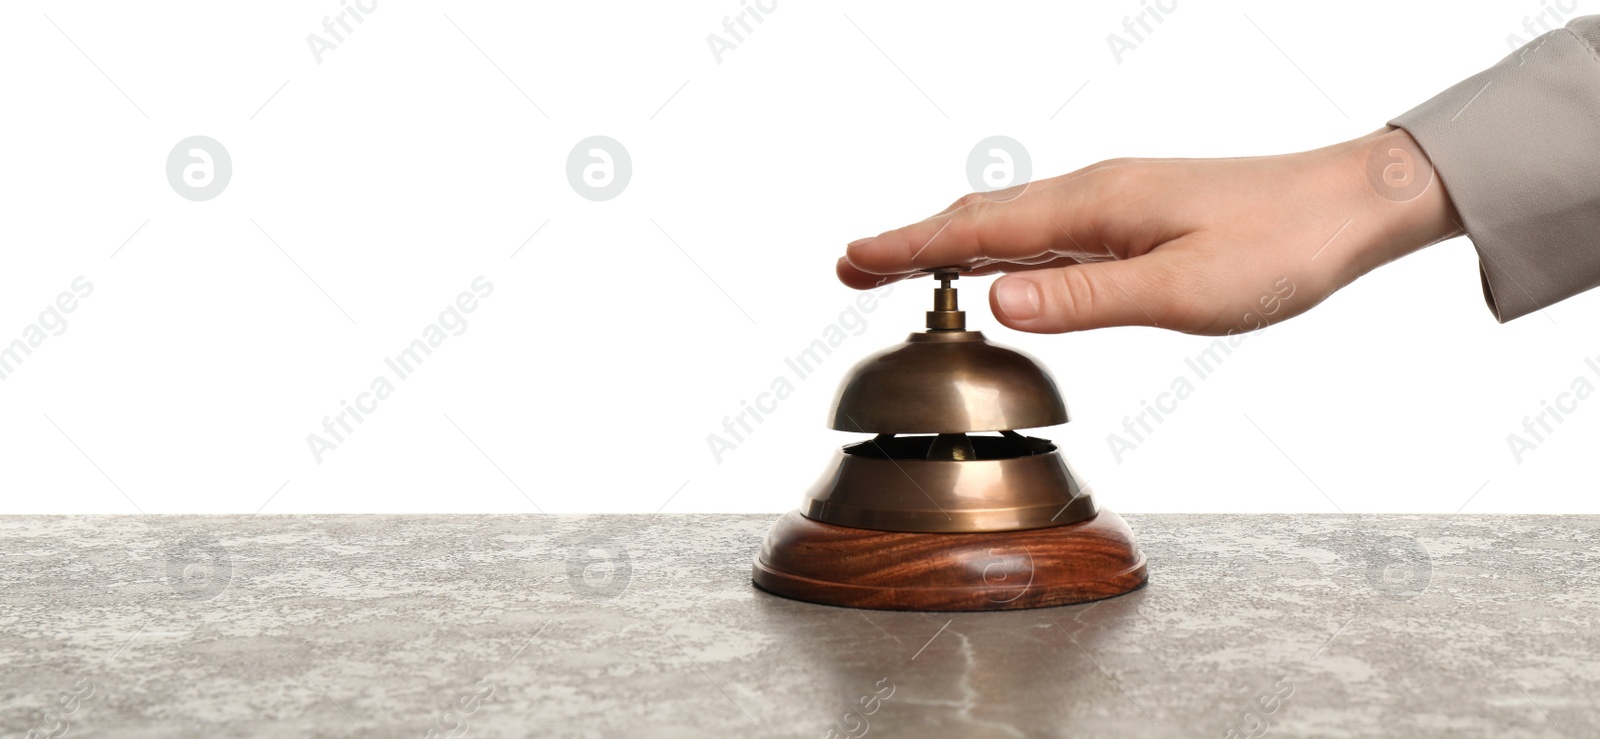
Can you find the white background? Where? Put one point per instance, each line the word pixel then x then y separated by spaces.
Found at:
pixel 408 162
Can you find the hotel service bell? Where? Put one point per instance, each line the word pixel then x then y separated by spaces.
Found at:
pixel 947 506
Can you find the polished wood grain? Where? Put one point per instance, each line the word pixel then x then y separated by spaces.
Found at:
pixel 889 570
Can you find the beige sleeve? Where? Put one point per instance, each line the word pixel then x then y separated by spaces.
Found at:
pixel 1517 147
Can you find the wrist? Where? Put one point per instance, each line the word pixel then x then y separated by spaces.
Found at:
pixel 1397 192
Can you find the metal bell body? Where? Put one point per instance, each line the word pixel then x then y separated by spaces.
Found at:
pixel 943 384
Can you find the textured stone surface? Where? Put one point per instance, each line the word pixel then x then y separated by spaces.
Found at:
pixel 297 626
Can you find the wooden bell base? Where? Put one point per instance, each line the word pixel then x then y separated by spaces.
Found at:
pixel 902 571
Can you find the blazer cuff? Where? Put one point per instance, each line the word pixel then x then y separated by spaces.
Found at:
pixel 1517 147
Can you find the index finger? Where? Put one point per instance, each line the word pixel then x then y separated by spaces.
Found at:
pixel 1047 221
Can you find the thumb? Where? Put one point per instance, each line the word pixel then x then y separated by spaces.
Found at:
pixel 1128 292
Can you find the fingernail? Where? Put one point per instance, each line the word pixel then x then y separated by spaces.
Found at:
pixel 1017 298
pixel 859 242
pixel 843 262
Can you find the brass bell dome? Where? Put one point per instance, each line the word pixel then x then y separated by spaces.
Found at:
pixel 947 380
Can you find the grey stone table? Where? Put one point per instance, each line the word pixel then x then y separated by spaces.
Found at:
pixel 297 626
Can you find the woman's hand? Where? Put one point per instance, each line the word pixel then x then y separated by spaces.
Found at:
pixel 1194 245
